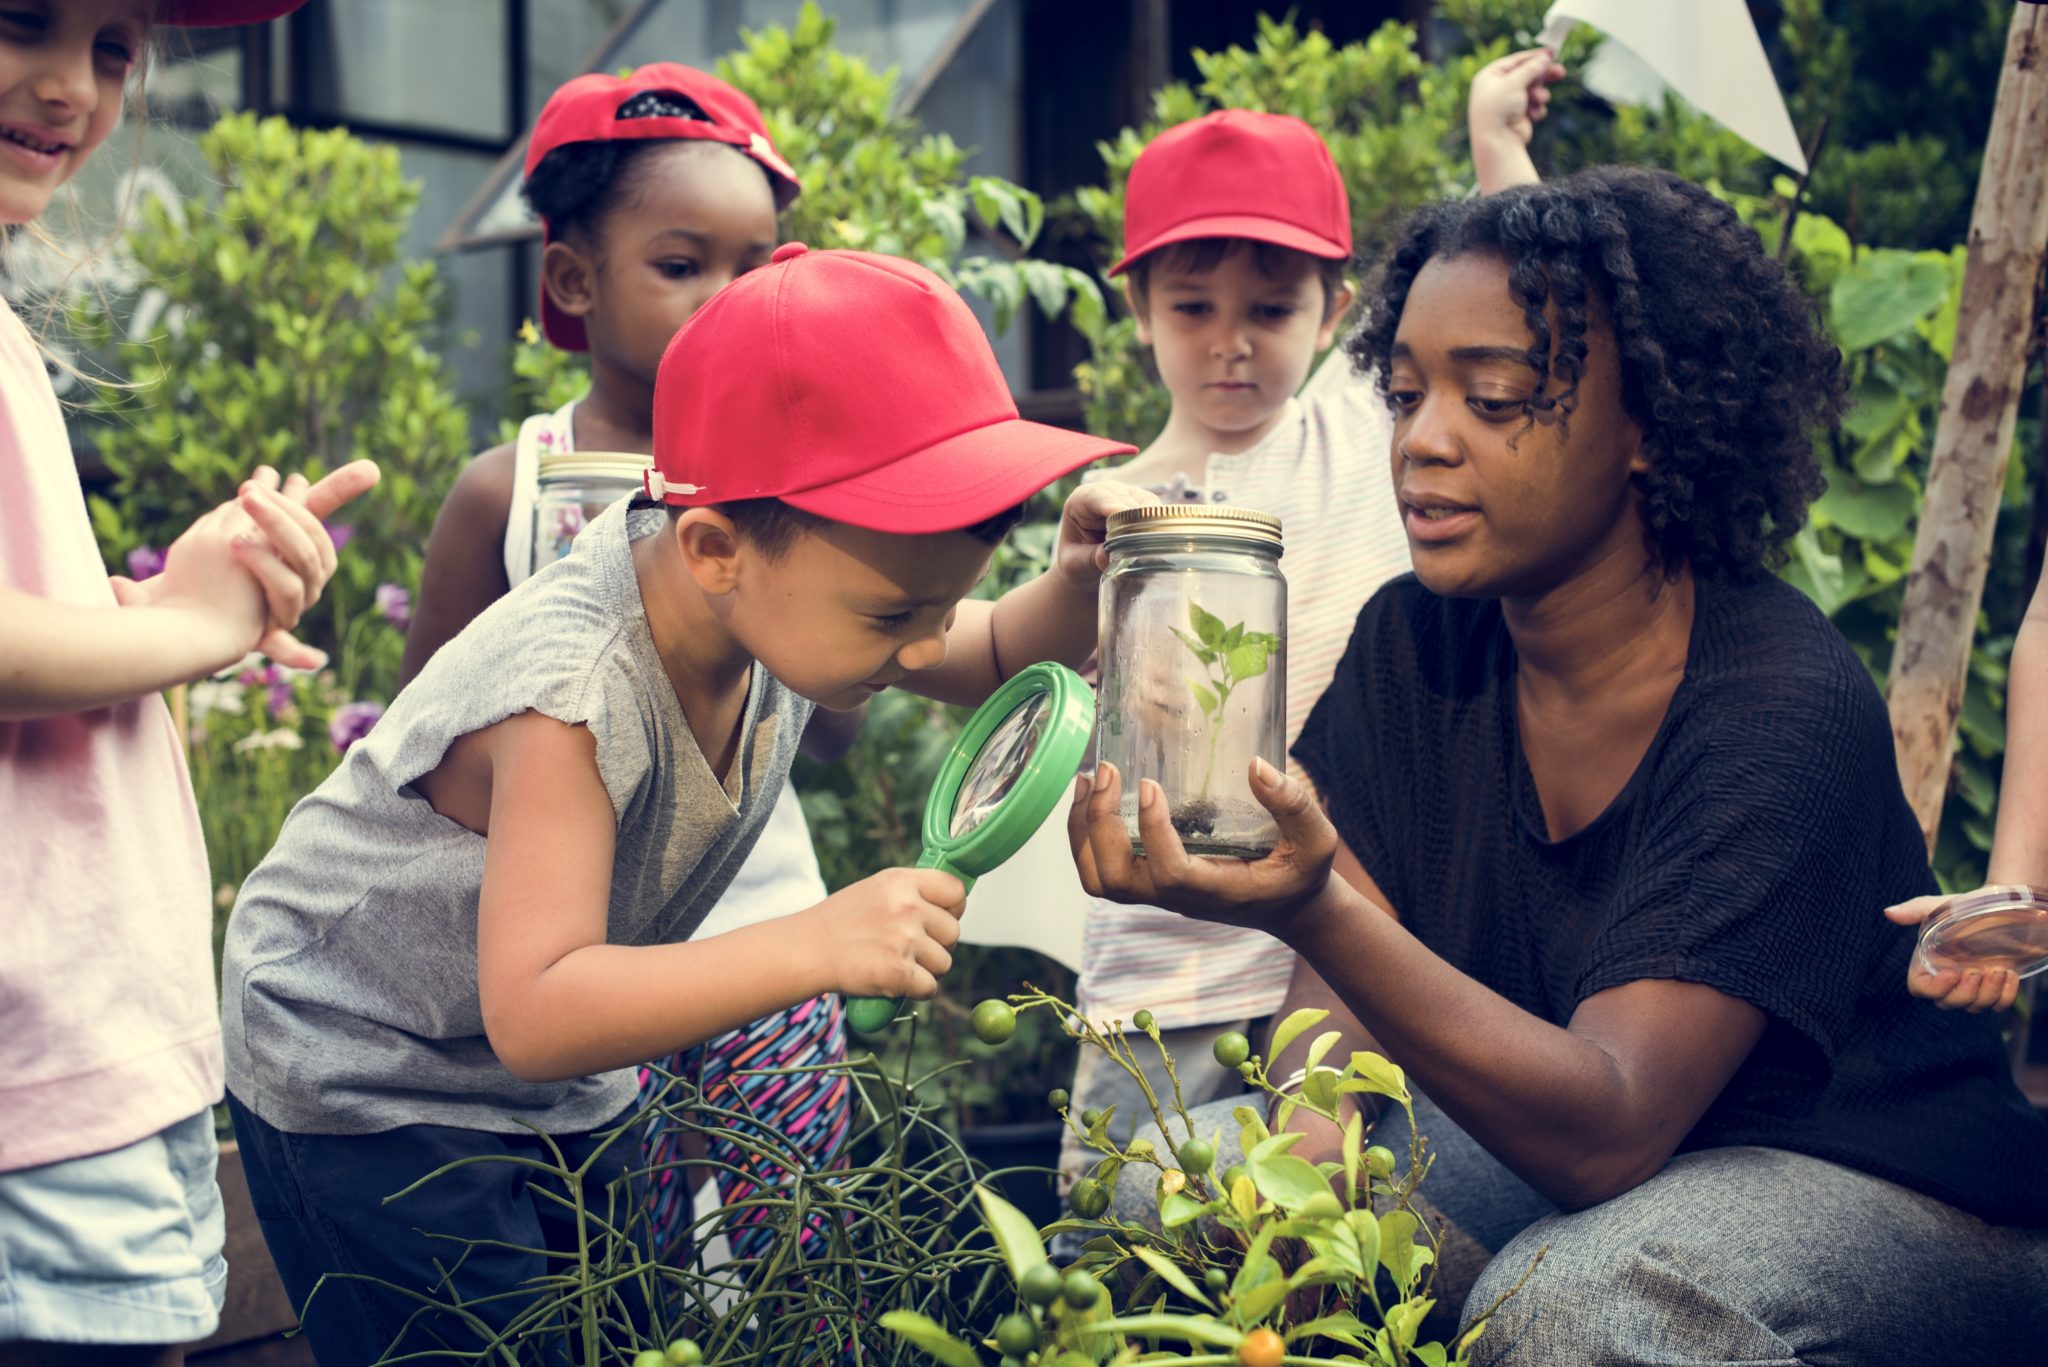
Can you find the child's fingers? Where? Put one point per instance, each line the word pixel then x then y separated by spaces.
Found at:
pixel 2009 992
pixel 1933 986
pixel 288 650
pixel 933 958
pixel 350 482
pixel 284 592
pixel 127 593
pixel 295 534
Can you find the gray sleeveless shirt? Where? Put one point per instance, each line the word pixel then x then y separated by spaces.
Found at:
pixel 349 977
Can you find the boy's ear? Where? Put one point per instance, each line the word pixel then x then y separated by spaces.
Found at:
pixel 710 546
pixel 1335 311
pixel 1137 307
pixel 569 277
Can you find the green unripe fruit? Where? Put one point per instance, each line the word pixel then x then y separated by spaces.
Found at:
pixel 1143 1020
pixel 1247 1070
pixel 1232 1049
pixel 1379 1161
pixel 1197 1156
pixel 1016 1335
pixel 1217 1280
pixel 1322 1206
pixel 1057 1098
pixel 651 1357
pixel 1081 1290
pixel 1089 1117
pixel 1040 1285
pixel 1011 1362
pixel 1231 1174
pixel 684 1353
pixel 994 1021
pixel 1087 1199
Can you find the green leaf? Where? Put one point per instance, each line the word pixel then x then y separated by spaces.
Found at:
pixel 1375 1073
pixel 1205 697
pixel 1249 660
pixel 1170 1273
pixel 1354 1143
pixel 1014 1233
pixel 1207 627
pixel 1261 1300
pixel 1322 1046
pixel 1342 1326
pixel 1868 512
pixel 1297 1024
pixel 1403 1258
pixel 1286 1181
pixel 1367 1229
pixel 1186 1327
pixel 1404 1319
pixel 910 1325
pixel 1176 1210
pixel 1883 295
pixel 1251 1127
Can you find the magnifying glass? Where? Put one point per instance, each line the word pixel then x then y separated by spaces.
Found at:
pixel 1011 768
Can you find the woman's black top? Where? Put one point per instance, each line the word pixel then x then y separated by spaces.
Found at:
pixel 1753 851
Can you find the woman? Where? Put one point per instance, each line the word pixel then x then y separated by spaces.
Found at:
pixel 1608 807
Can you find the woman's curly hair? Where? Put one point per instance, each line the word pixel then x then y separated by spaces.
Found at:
pixel 1723 361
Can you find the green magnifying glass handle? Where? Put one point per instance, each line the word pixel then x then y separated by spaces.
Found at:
pixel 869 1014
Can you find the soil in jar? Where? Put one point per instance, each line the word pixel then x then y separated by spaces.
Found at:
pixel 1233 828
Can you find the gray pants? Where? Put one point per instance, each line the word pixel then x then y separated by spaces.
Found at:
pixel 1753 1256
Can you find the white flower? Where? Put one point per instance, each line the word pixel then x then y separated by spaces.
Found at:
pixel 211 695
pixel 281 739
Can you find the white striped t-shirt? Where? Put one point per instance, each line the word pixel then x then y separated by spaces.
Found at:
pixel 1324 472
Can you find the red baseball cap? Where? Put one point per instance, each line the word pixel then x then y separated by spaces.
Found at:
pixel 587 110
pixel 219 13
pixel 856 387
pixel 1236 173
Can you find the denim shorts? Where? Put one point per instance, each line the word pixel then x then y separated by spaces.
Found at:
pixel 118 1248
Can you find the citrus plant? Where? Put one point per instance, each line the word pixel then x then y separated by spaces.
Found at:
pixel 1276 1260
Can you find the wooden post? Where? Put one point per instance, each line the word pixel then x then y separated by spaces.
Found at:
pixel 1966 473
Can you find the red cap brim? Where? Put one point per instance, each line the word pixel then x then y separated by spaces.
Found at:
pixel 1248 226
pixel 220 13
pixel 960 481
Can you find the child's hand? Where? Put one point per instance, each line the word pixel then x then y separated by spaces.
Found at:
pixel 274 532
pixel 1080 558
pixel 891 935
pixel 1511 95
pixel 1954 989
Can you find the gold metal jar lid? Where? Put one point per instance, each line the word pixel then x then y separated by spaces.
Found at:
pixel 626 466
pixel 1195 519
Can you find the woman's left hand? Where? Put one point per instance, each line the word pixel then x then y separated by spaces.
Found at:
pixel 1265 893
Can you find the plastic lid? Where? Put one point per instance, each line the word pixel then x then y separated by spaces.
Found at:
pixel 2001 926
pixel 1195 519
pixel 625 466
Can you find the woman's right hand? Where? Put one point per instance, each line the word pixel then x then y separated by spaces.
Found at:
pixel 891 934
pixel 1265 893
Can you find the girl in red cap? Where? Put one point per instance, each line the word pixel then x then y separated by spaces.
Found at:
pixel 654 190
pixel 110 1060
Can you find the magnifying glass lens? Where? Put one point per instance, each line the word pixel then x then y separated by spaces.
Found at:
pixel 996 767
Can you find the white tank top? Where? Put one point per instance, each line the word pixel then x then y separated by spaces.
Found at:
pixel 781 875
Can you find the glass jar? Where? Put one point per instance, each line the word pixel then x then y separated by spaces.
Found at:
pixel 576 486
pixel 1193 680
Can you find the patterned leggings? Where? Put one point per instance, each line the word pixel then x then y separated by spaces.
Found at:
pixel 737 1072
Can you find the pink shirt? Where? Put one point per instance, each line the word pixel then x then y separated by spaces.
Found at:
pixel 109 1029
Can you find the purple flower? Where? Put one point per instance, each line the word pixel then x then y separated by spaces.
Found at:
pixel 279 698
pixel 351 722
pixel 340 533
pixel 395 604
pixel 145 562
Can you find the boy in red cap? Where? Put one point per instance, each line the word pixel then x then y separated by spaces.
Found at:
pixel 468 936
pixel 655 190
pixel 1237 230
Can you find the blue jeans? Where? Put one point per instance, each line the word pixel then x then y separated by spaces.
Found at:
pixel 1752 1256
pixel 479 1235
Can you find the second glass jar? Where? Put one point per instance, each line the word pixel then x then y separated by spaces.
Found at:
pixel 575 486
pixel 1193 682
